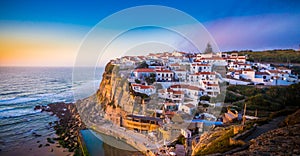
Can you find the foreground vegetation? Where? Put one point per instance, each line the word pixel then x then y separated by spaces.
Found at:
pixel 277 55
pixel 269 99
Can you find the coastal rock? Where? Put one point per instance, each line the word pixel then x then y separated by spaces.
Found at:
pixel 68 125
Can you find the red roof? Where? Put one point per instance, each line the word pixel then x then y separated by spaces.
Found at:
pixel 204 73
pixel 169 104
pixel 163 71
pixel 283 68
pixel 212 84
pixel 142 86
pixel 179 70
pixel 146 87
pixel 175 64
pixel 194 88
pixel 145 70
pixel 175 92
pixel 261 73
pixel 199 64
pixel 190 105
pixel 179 86
pixel 248 70
pixel 276 72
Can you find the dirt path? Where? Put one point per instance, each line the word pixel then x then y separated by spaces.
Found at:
pixel 273 124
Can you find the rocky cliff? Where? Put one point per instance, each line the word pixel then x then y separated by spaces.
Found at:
pixel 112 99
pixel 114 89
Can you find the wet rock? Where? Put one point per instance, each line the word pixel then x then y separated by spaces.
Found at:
pixel 68 126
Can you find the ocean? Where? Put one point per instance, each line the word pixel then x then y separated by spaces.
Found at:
pixel 23 88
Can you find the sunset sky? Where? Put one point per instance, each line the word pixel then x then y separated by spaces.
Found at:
pixel 49 33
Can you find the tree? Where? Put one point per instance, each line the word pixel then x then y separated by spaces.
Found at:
pixel 142 65
pixel 208 49
pixel 205 98
pixel 137 81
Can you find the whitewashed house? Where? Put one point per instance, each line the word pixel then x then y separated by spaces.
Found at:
pixel 198 67
pixel 262 77
pixel 211 88
pixel 188 108
pixel 277 74
pixel 202 76
pixel 164 75
pixel 238 66
pixel 176 96
pixel 180 75
pixel 285 70
pixel 194 92
pixel 248 74
pixel 143 72
pixel 174 66
pixel 148 90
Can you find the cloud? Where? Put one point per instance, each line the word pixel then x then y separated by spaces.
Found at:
pixel 256 32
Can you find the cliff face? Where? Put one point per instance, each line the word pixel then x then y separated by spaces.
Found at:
pixel 114 90
pixel 112 99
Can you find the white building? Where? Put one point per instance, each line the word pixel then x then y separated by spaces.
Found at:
pixel 198 67
pixel 202 76
pixel 248 74
pixel 149 90
pixel 180 74
pixel 176 96
pixel 143 72
pixel 164 75
pixel 211 88
pixel 174 66
pixel 285 70
pixel 188 108
pixel 238 66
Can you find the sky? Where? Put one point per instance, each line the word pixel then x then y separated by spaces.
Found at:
pixel 50 33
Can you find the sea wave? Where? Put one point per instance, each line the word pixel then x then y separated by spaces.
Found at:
pixel 17 113
pixel 17 100
pixel 10 93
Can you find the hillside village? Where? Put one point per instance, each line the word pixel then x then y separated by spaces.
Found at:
pixel 186 77
pixel 179 82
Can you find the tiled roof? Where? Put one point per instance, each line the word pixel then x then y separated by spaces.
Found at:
pixel 249 70
pixel 204 73
pixel 189 105
pixel 175 64
pixel 199 64
pixel 142 86
pixel 194 88
pixel 163 71
pixel 145 70
pixel 261 73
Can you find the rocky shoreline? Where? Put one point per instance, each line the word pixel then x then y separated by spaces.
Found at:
pixel 67 127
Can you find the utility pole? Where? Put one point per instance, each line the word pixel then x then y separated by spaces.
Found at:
pixel 244 117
